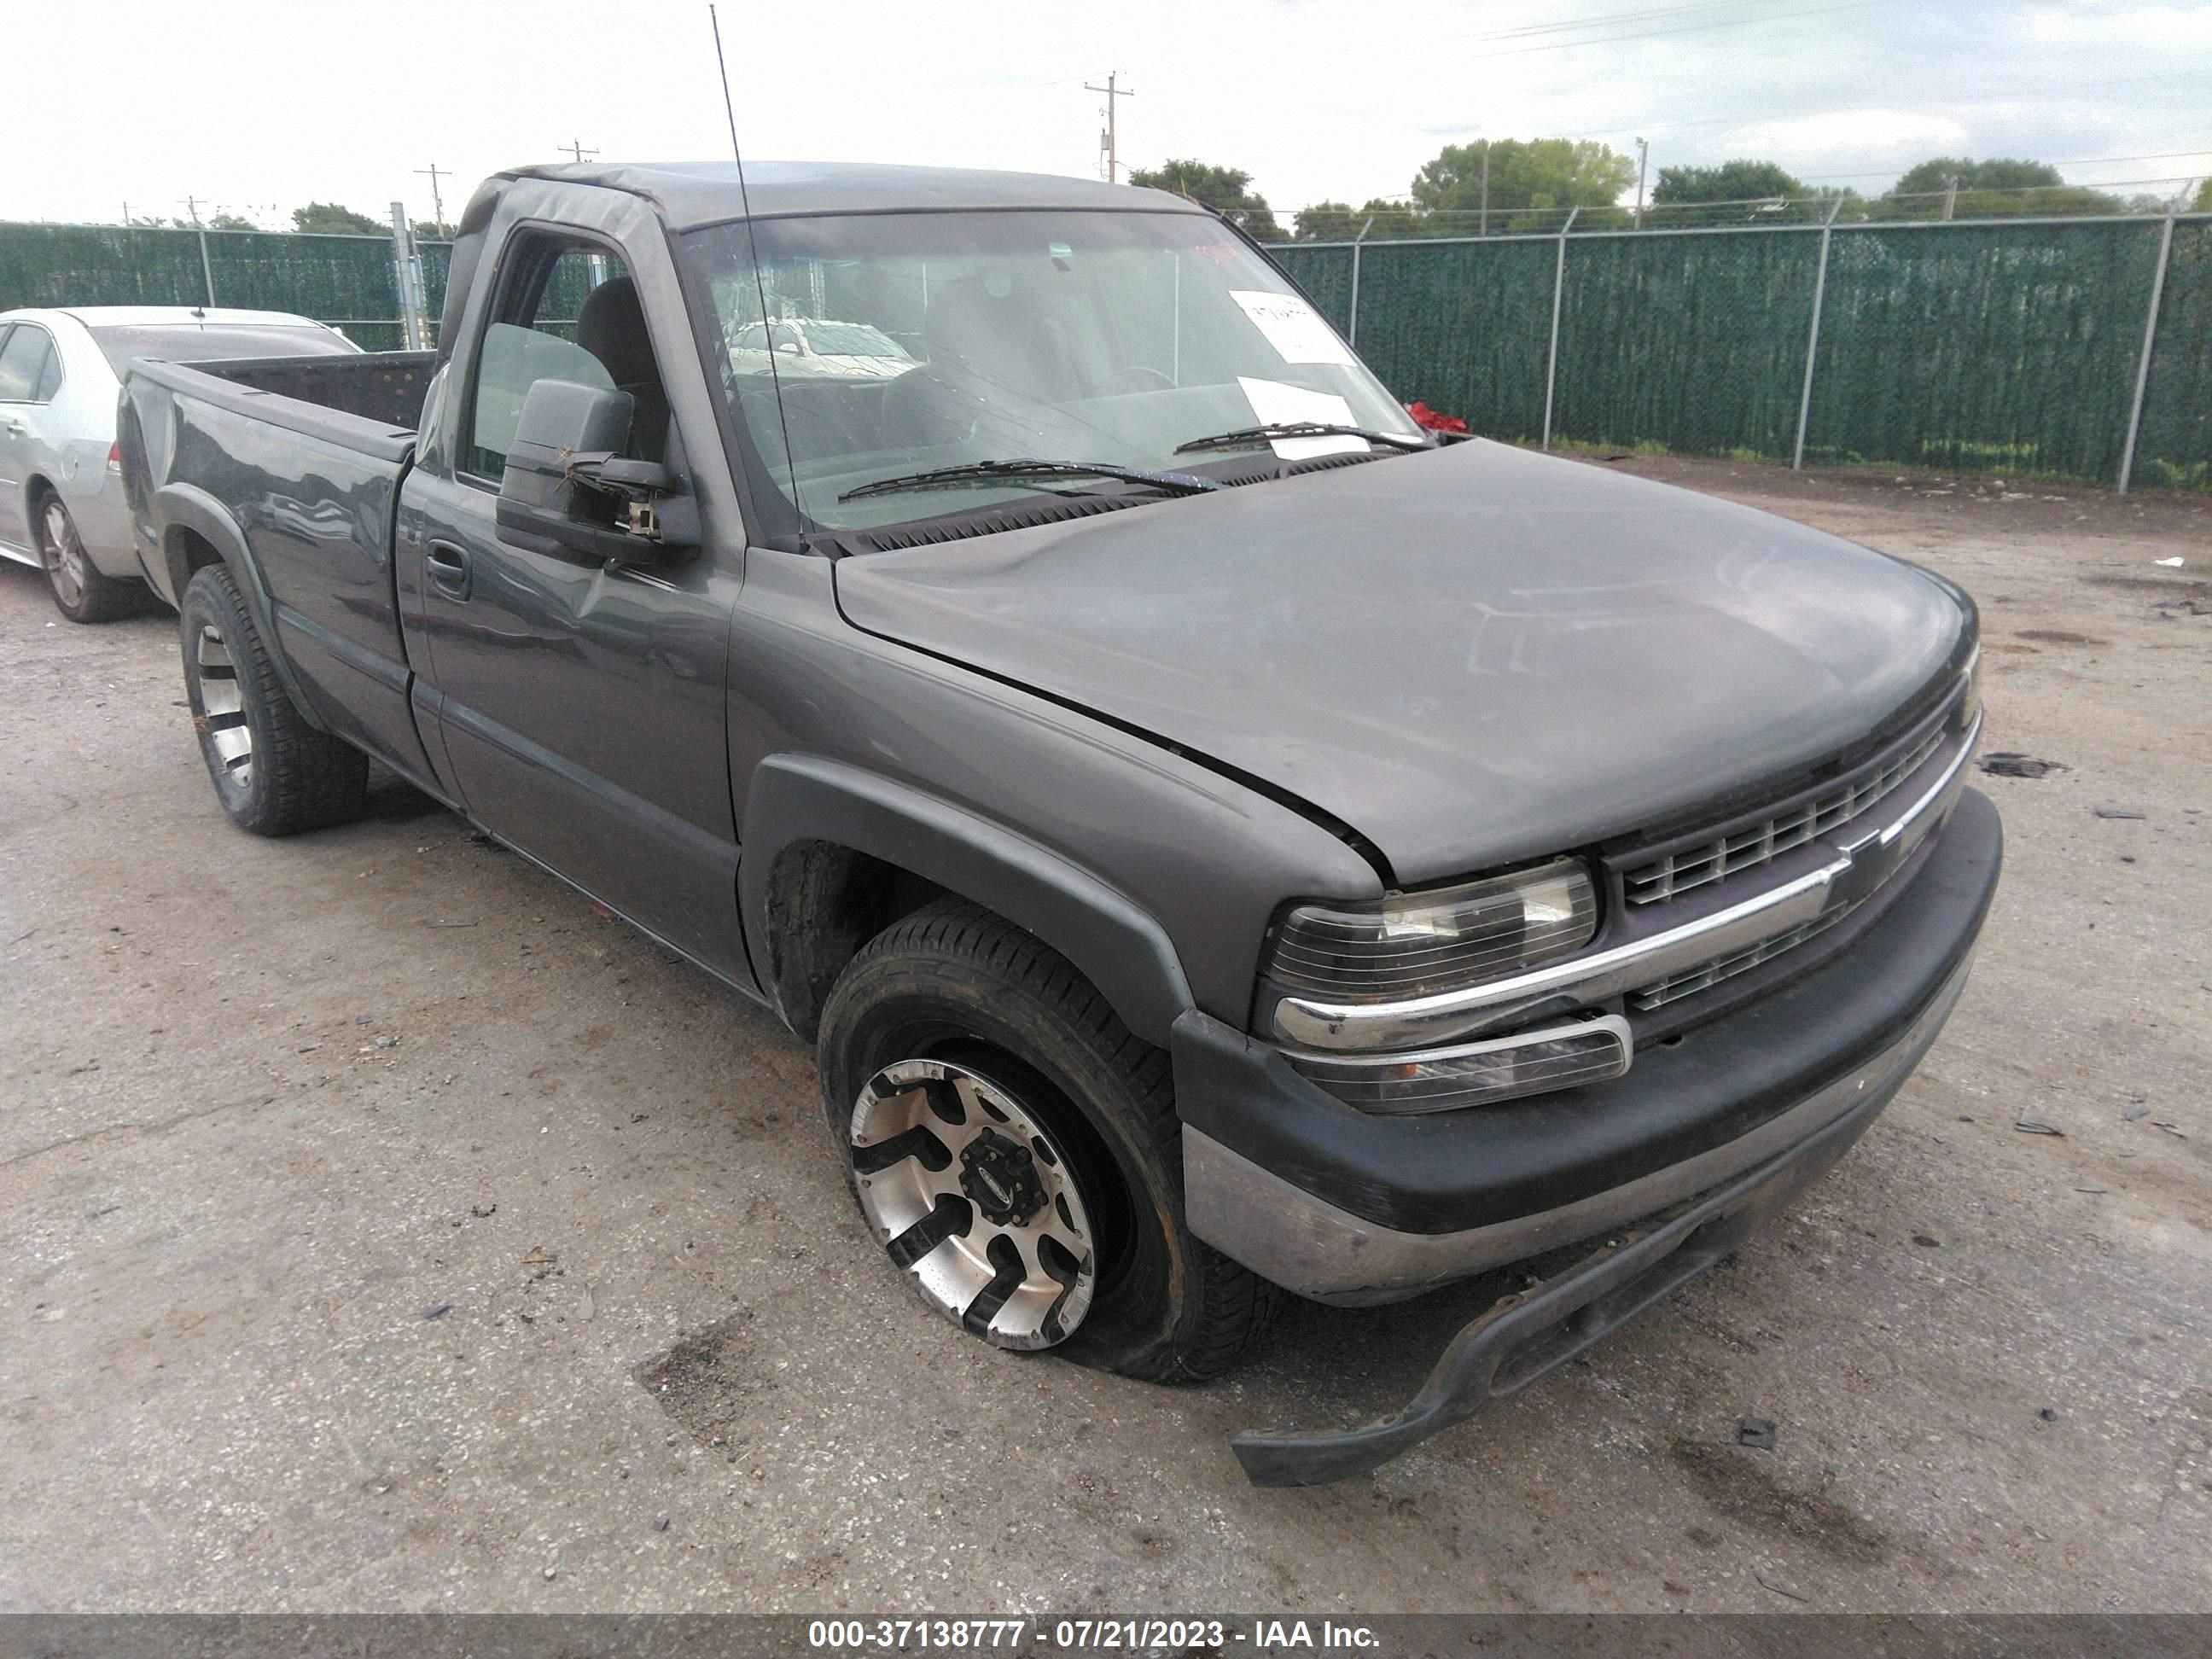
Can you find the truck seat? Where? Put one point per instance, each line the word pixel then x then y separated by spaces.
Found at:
pixel 610 326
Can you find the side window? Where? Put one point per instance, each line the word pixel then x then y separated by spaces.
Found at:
pixel 513 359
pixel 567 311
pixel 28 370
pixel 50 380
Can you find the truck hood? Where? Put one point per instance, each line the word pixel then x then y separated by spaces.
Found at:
pixel 1469 655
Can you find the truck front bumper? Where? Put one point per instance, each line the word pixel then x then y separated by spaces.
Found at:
pixel 1700 1139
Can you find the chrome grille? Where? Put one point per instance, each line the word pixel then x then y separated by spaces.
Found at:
pixel 1691 867
pixel 1692 981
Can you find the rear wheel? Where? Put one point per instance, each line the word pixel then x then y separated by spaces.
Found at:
pixel 274 773
pixel 80 592
pixel 1017 1153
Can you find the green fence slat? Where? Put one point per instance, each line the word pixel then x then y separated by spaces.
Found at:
pixel 1983 348
pixel 1695 344
pixel 2173 447
pixel 1325 273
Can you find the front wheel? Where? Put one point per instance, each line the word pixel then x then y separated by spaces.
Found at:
pixel 1017 1153
pixel 274 773
pixel 80 592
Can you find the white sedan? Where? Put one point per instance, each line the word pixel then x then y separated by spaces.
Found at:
pixel 61 486
pixel 813 347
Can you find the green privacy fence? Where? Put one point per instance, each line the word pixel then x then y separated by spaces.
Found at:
pixel 348 281
pixel 2022 347
pixel 2000 346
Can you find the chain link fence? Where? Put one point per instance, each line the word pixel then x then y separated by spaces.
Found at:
pixel 2024 346
pixel 2045 347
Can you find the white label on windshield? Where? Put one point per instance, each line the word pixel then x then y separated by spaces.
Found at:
pixel 1274 403
pixel 1292 327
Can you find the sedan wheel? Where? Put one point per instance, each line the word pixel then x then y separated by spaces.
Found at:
pixel 973 1196
pixel 80 592
pixel 64 554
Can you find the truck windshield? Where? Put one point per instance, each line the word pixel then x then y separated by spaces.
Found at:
pixel 190 342
pixel 1097 338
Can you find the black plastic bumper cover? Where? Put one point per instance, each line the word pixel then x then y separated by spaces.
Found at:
pixel 1527 1335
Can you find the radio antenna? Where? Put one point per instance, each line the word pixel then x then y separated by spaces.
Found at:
pixel 728 108
pixel 760 282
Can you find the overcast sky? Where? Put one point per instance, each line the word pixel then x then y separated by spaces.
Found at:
pixel 259 107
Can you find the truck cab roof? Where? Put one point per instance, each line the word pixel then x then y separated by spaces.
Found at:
pixel 693 194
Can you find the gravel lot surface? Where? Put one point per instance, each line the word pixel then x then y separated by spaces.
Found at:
pixel 383 1227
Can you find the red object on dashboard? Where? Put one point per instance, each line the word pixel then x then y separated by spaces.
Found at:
pixel 1428 418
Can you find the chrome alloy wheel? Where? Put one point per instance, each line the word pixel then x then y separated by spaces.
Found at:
pixel 975 1198
pixel 63 554
pixel 222 705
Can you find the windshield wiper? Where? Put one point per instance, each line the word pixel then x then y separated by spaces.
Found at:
pixel 1251 437
pixel 1181 483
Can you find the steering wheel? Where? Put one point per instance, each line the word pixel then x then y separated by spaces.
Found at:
pixel 1113 385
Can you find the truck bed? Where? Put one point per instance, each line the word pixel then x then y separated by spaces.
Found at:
pixel 303 515
pixel 384 390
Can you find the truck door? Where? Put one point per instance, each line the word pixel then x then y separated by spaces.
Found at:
pixel 581 704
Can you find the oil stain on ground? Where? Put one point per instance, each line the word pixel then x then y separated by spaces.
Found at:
pixel 1741 1486
pixel 708 1383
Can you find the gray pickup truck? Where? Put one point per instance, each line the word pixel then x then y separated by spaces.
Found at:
pixel 1222 840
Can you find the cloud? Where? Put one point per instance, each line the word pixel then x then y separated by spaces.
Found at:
pixel 243 104
pixel 1833 135
pixel 2167 27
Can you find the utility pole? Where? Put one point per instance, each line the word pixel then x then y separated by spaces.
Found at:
pixel 1107 140
pixel 207 269
pixel 576 150
pixel 407 279
pixel 1485 231
pixel 1643 160
pixel 1950 196
pixel 437 201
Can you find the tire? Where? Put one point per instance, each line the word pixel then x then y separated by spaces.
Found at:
pixel 274 773
pixel 952 1009
pixel 80 592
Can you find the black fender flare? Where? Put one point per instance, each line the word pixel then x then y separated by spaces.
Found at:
pixel 188 507
pixel 1112 940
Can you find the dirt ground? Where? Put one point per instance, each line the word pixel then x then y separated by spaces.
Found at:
pixel 383 1228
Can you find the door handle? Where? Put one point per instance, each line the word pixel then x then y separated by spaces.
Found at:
pixel 449 569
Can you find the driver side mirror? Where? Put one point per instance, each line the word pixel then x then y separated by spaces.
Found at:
pixel 569 492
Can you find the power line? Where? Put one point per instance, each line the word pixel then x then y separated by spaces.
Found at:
pixel 1686 28
pixel 1565 26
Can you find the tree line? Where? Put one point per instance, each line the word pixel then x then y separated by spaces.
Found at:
pixel 316 219
pixel 1505 184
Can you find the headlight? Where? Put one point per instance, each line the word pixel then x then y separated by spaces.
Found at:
pixel 1413 944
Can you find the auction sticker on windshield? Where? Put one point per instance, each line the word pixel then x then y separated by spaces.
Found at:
pixel 1292 327
pixel 1274 403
